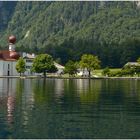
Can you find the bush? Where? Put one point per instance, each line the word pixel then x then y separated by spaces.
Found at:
pixel 106 71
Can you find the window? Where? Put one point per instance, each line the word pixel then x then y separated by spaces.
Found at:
pixel 29 60
pixel 28 67
pixel 8 66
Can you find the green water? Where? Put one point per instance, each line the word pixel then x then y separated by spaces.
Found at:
pixel 57 108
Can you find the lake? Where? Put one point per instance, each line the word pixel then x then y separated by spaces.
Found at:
pixel 69 108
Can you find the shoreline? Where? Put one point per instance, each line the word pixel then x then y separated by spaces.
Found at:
pixel 61 77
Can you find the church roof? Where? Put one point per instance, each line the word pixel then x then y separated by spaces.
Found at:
pixel 9 55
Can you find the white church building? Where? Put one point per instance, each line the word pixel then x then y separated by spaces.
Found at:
pixel 8 59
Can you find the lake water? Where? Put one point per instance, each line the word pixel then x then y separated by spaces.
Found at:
pixel 58 108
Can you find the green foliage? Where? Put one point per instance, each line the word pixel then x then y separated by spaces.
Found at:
pixel 90 62
pixel 43 63
pixel 6 12
pixel 20 66
pixel 52 69
pixel 131 70
pixel 70 68
pixel 67 30
pixel 127 70
pixel 138 60
pixel 106 71
pixel 115 74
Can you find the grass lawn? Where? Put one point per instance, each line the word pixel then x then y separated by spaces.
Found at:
pixel 94 73
pixel 99 72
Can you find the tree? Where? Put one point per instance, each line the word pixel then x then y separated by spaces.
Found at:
pixel 52 69
pixel 138 67
pixel 20 66
pixel 90 62
pixel 138 60
pixel 70 68
pixel 43 63
pixel 106 71
pixel 130 70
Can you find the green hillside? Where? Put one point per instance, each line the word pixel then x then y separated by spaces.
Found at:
pixel 66 30
pixel 6 12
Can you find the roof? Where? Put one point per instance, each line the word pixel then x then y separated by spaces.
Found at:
pixel 132 64
pixel 6 56
pixel 58 65
pixel 28 56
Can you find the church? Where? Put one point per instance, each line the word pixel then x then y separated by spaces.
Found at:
pixel 8 59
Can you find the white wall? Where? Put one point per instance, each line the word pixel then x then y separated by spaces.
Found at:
pixel 1 68
pixel 8 67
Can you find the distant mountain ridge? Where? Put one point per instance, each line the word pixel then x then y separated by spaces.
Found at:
pixel 66 30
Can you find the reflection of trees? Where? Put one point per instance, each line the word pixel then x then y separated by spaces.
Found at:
pixel 24 106
pixel 64 117
pixel 57 116
pixel 52 108
pixel 89 90
pixel 43 119
pixel 70 97
pixel 19 90
pixel 19 104
pixel 118 110
pixel 121 92
pixel 58 108
pixel 59 88
pixel 131 90
pixel 111 92
pixel 44 91
pixel 24 93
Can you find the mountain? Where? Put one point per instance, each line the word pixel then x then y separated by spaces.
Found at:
pixel 5 13
pixel 66 30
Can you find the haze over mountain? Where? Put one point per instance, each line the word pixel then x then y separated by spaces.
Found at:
pixel 66 30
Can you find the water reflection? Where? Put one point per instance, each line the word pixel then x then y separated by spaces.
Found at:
pixel 24 105
pixel 89 90
pixel 10 99
pixel 17 98
pixel 61 108
pixel 10 108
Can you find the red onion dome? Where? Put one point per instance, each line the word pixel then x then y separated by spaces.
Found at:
pixel 12 39
pixel 14 55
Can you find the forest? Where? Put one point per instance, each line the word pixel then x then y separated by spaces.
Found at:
pixel 67 30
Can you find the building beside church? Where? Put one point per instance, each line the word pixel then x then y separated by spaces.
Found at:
pixel 28 58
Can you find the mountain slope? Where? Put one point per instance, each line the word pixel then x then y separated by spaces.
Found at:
pixel 66 30
pixel 6 12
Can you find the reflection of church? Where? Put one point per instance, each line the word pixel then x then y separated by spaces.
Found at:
pixel 8 59
pixel 14 97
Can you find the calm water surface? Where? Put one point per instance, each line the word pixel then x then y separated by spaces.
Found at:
pixel 57 108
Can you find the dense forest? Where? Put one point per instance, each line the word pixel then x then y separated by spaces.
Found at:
pixel 66 30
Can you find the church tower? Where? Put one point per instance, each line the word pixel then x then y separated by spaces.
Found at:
pixel 12 41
